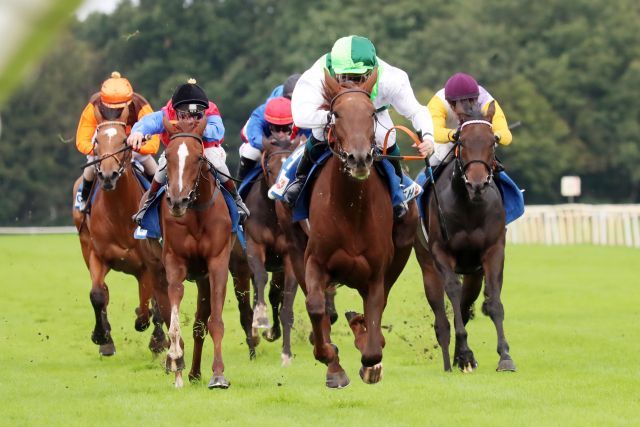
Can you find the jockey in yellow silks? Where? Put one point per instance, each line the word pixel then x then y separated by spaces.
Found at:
pixel 115 94
pixel 461 88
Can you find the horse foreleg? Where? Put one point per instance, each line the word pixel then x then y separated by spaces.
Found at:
pixel 145 292
pixel 463 356
pixel 323 349
pixel 374 301
pixel 218 273
pixel 241 275
pixel 493 264
pixel 286 313
pixel 434 290
pixel 471 286
pixel 99 297
pixel 256 258
pixel 276 291
pixel 203 310
pixel 176 272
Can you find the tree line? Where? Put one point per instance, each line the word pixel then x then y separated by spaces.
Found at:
pixel 568 71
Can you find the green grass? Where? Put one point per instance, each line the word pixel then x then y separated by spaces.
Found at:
pixel 572 321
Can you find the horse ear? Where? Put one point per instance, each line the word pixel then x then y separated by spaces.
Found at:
pixel 124 116
pixel 490 111
pixel 200 127
pixel 168 126
pixel 330 84
pixel 371 81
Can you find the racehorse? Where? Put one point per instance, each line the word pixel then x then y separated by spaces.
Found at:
pixel 467 238
pixel 106 237
pixel 196 227
pixel 267 250
pixel 352 236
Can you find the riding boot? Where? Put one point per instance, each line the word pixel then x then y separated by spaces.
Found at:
pixel 400 210
pixel 151 194
pixel 243 211
pixel 246 166
pixel 292 191
pixel 84 195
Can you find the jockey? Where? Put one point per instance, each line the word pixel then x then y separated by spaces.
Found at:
pixel 354 58
pixel 459 93
pixel 115 94
pixel 277 115
pixel 188 104
pixel 258 128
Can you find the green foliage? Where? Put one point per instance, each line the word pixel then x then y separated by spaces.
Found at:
pixel 569 71
pixel 573 341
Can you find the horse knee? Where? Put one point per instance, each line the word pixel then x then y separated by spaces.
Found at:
pixel 315 306
pixel 493 308
pixel 98 297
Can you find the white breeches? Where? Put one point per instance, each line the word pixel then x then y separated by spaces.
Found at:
pixel 248 151
pixel 441 151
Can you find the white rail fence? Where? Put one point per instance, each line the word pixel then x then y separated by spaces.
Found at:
pixel 577 224
pixel 541 224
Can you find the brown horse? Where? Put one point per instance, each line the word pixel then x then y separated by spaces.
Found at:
pixel 468 239
pixel 106 237
pixel 197 244
pixel 360 246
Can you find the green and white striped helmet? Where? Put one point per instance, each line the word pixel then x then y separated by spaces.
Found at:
pixel 352 55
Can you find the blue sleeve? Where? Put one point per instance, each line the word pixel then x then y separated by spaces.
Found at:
pixel 151 124
pixel 305 132
pixel 277 91
pixel 257 127
pixel 215 129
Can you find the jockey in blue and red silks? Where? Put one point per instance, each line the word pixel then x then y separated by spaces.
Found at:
pixel 257 128
pixel 189 103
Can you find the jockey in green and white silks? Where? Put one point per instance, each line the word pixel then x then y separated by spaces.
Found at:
pixel 353 58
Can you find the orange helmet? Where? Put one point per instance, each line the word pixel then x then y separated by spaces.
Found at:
pixel 278 111
pixel 116 92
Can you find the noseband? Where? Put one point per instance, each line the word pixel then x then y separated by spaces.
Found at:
pixel 329 130
pixel 121 163
pixel 193 194
pixel 264 161
pixel 464 166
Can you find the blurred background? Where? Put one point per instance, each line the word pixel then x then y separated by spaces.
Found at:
pixel 569 71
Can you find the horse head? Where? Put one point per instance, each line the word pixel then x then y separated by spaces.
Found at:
pixel 110 146
pixel 350 130
pixel 185 157
pixel 475 153
pixel 274 155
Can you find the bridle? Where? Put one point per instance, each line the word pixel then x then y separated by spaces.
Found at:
pixel 122 163
pixel 264 161
pixel 335 145
pixel 194 193
pixel 464 166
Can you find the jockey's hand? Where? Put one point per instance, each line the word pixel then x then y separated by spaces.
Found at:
pixel 136 140
pixel 425 148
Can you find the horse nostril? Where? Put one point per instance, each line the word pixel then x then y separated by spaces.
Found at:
pixel 114 175
pixel 100 175
pixel 351 158
pixel 185 200
pixel 368 159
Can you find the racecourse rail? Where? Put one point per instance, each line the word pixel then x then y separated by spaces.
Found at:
pixel 569 224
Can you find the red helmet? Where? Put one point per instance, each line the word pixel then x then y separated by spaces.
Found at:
pixel 278 111
pixel 461 86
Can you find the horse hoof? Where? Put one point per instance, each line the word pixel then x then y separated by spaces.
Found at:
pixel 194 377
pixel 252 354
pixel 157 346
pixel 260 319
pixel 371 374
pixel 333 316
pixel 469 368
pixel 219 381
pixel 179 383
pixel 108 349
pixel 174 365
pixel 141 324
pixel 350 315
pixel 506 365
pixel 270 335
pixel 255 337
pixel 337 380
pixel 286 360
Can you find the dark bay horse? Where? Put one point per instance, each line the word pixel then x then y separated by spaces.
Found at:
pixel 106 237
pixel 468 239
pixel 197 245
pixel 352 236
pixel 267 250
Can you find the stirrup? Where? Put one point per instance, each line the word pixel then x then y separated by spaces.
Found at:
pixel 292 192
pixel 137 217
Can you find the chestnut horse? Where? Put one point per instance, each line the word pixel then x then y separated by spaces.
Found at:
pixel 106 237
pixel 468 239
pixel 360 245
pixel 196 228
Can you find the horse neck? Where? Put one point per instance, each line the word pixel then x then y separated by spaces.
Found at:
pixel 206 186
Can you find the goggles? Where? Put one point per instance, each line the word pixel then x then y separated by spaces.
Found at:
pixel 281 128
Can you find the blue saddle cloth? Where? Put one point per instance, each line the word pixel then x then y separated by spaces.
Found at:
pixel 137 172
pixel 248 181
pixel 301 207
pixel 150 223
pixel 512 198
